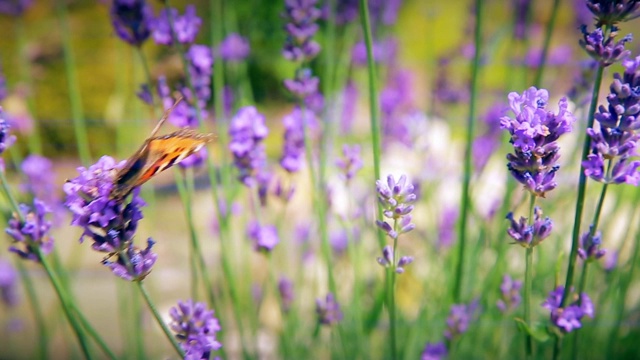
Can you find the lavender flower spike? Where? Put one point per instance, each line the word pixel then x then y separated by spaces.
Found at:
pixel 509 294
pixel 185 26
pixel 6 139
pixel 395 198
pixel 570 317
pixel 195 329
pixel 130 19
pixel 247 130
pixel 351 161
pixel 328 312
pixel 608 12
pixel 437 351
pixel 604 51
pixel 8 283
pixel 529 235
pixel 134 264
pixel 589 249
pixel 534 133
pixel 30 231
pixel 387 260
pixel 301 27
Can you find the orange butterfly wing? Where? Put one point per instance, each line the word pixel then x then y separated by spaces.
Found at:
pixel 157 154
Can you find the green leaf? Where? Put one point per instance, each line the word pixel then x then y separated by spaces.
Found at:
pixel 537 331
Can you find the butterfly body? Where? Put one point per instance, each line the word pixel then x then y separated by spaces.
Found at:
pixel 158 153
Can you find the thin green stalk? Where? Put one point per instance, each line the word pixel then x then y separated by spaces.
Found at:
pixel 392 294
pixel 36 309
pixel 91 331
pixel 582 184
pixel 34 140
pixel 326 136
pixel 64 301
pixel 528 283
pixel 158 317
pixel 465 204
pixel 77 114
pixel 547 41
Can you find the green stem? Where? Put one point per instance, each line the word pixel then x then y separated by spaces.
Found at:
pixel 547 41
pixel 77 114
pixel 392 295
pixel 466 201
pixel 158 317
pixel 37 310
pixel 582 184
pixel 35 142
pixel 528 283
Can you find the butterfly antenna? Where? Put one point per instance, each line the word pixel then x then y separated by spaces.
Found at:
pixel 165 116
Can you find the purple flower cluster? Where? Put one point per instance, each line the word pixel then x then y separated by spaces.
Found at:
pixel 110 223
pixel 434 351
pixel 264 237
pixel 384 51
pixel 396 199
pixel 6 139
pixel 459 319
pixel 30 231
pixel 285 289
pixel 509 294
pixel 534 133
pixel 614 136
pixel 388 260
pixel 590 245
pixel 185 27
pixel 604 51
pixel 304 85
pixel 568 318
pixel 195 329
pixel 350 163
pixel 131 19
pixel 608 12
pixel 247 131
pixel 396 102
pixel 234 48
pixel 529 235
pixel 8 283
pixel 328 311
pixel 15 7
pixel 301 16
pixel 293 158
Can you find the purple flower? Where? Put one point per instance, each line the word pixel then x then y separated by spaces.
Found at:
pixel 293 150
pixel 446 227
pixel 459 319
pixel 234 48
pixel 6 139
pixel 144 94
pixel 395 198
pixel 285 288
pixel 488 142
pixel 611 261
pixel 346 11
pixel 328 311
pixel 529 235
pixel 568 318
pixel 303 85
pixel 534 133
pixel 247 131
pixel 185 27
pixel 133 264
pixel 509 294
pixel 590 245
pixel 445 91
pixel 8 283
pixel 558 56
pixel 351 161
pixel 4 92
pixel 301 16
pixel 396 101
pixel 130 19
pixel 30 231
pixel 349 102
pixel 388 260
pixel 14 8
pixel 437 351
pixel 604 51
pixel 195 329
pixel 608 12
pixel 521 10
pixel 264 237
pixel 40 178
pixel 614 136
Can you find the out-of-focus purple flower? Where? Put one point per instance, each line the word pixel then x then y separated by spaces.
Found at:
pixel 580 92
pixel 610 261
pixel 388 260
pixel 195 328
pixel 534 133
pixel 8 283
pixel 434 351
pixel 293 158
pixel 285 288
pixel 568 318
pixel 303 85
pixel 6 139
pixel 264 237
pixel 521 10
pixel 301 16
pixel 383 51
pixel 201 63
pixel 144 94
pixel 328 311
pixel 384 11
pixel 396 102
pixel 604 51
pixel 349 101
pixel 15 8
pixel 185 26
pixel 590 246
pixel 529 235
pixel 509 294
pixel 4 92
pixel 351 161
pixel 582 13
pixel 614 136
pixel 234 48
pixel 130 19
pixel 459 319
pixel 133 264
pixel 486 144
pixel 558 56
pixel 446 227
pixel 396 199
pixel 444 90
pixel 40 178
pixel 609 13
pixel 346 11
pixel 247 131
pixel 30 231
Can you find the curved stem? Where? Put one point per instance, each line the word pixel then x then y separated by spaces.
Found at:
pixel 37 310
pixel 466 201
pixel 528 283
pixel 547 40
pixel 158 317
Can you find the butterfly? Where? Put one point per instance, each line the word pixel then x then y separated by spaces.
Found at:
pixel 157 154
